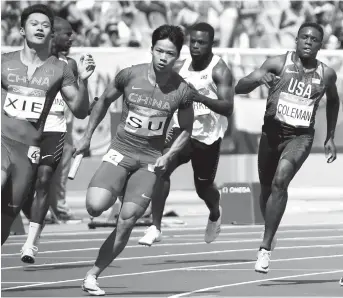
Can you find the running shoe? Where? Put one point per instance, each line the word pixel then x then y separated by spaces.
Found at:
pixel 91 286
pixel 28 254
pixel 263 259
pixel 213 228
pixel 341 282
pixel 152 234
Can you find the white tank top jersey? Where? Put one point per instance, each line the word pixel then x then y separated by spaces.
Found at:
pixel 208 126
pixel 56 120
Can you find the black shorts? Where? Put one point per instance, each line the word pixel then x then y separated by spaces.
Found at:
pixel 204 157
pixel 52 144
pixel 276 145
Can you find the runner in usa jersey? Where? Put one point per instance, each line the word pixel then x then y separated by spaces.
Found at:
pixel 212 79
pixel 30 80
pixel 297 81
pixel 151 94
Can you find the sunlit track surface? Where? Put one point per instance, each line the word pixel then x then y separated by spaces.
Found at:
pixel 308 261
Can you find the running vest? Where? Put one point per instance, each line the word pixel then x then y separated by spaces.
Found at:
pixel 208 126
pixel 26 101
pixel 293 100
pixel 147 109
pixel 56 120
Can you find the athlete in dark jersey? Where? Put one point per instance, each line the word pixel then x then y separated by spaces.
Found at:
pixel 297 82
pixel 151 94
pixel 30 80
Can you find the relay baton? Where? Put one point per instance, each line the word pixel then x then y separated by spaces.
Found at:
pixel 92 105
pixel 75 166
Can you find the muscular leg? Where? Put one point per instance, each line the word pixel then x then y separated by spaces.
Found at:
pixel 266 191
pixel 106 184
pixel 136 201
pixel 268 159
pixel 162 189
pixel 293 156
pixel 205 162
pixel 40 204
pixel 159 198
pixel 276 204
pixel 162 186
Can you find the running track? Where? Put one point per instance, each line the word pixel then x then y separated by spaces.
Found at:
pixel 308 261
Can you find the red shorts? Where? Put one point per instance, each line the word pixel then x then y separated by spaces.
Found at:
pixel 126 172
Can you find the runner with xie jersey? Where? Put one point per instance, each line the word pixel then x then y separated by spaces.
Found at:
pixel 297 82
pixel 211 77
pixel 30 80
pixel 151 94
pixel 51 147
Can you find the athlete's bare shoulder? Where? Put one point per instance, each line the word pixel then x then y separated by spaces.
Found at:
pixel 73 65
pixel 330 76
pixel 274 64
pixel 220 68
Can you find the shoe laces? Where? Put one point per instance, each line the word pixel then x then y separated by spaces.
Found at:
pixel 92 280
pixel 151 228
pixel 265 254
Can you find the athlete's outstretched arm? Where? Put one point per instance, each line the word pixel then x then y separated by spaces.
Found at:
pixel 112 92
pixel 185 119
pixel 76 96
pixel 332 109
pixel 223 79
pixel 264 75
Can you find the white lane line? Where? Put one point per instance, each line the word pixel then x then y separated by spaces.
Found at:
pixel 249 269
pixel 253 282
pixel 224 227
pixel 167 270
pixel 172 237
pixel 184 244
pixel 168 256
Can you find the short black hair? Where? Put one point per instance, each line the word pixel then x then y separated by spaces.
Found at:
pixel 173 33
pixel 204 27
pixel 37 8
pixel 313 25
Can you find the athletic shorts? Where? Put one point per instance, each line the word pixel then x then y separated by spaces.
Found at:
pixel 130 171
pixel 19 162
pixel 52 144
pixel 204 157
pixel 275 146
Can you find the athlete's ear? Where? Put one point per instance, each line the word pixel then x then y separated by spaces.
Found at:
pixel 22 31
pixel 296 40
pixel 151 49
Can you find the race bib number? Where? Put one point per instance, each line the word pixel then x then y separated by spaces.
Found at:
pixel 294 110
pixel 58 105
pixel 145 125
pixel 200 109
pixel 34 154
pixel 24 107
pixel 113 156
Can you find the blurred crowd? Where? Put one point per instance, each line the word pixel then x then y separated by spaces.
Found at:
pixel 241 24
